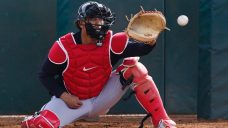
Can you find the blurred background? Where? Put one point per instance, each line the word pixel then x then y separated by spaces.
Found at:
pixel 189 63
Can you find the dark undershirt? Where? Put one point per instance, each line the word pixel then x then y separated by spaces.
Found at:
pixel 50 74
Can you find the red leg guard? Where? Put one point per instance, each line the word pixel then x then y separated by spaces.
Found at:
pixel 145 89
pixel 149 97
pixel 46 119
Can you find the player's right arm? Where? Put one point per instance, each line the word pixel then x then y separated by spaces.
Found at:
pixel 50 76
pixel 51 70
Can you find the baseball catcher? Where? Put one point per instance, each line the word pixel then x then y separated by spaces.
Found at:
pixel 78 71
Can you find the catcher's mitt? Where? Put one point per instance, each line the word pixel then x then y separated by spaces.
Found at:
pixel 145 26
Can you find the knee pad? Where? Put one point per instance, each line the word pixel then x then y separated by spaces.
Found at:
pixel 132 68
pixel 144 88
pixel 44 119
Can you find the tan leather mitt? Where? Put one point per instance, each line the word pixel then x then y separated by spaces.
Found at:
pixel 145 26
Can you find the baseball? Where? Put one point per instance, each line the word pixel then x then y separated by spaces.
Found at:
pixel 182 20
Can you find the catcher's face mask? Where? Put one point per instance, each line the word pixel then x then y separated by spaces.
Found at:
pixel 98 19
pixel 96 28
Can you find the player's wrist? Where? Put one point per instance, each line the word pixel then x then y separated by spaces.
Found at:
pixel 64 95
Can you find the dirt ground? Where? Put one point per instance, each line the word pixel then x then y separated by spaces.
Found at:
pixel 125 121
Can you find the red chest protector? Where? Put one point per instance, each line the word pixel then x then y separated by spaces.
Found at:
pixel 88 66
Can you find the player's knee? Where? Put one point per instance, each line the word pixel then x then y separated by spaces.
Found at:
pixel 45 119
pixel 139 72
pixel 132 68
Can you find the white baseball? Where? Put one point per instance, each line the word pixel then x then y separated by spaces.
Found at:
pixel 182 20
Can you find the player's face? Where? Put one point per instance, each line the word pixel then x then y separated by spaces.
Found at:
pixel 96 22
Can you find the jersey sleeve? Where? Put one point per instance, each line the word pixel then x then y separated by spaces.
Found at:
pixel 56 54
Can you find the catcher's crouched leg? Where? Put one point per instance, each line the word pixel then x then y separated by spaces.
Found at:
pixel 44 119
pixel 146 91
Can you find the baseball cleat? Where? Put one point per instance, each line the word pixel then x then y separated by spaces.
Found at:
pixel 167 124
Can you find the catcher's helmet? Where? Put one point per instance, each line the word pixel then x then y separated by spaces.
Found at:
pixel 93 9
